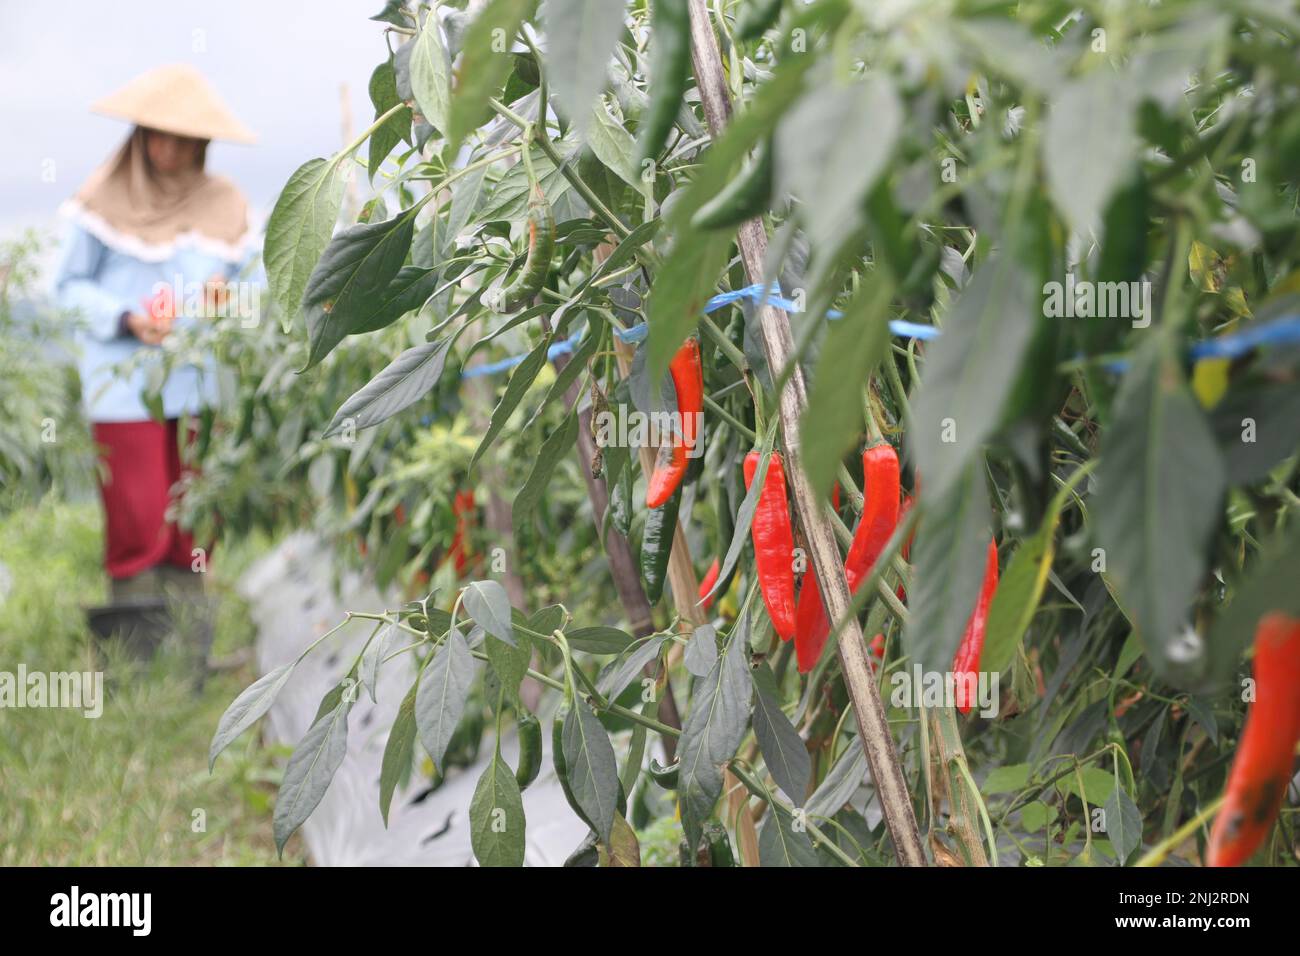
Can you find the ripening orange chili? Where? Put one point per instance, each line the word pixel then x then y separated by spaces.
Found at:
pixel 880 479
pixel 671 462
pixel 966 662
pixel 773 543
pixel 1266 752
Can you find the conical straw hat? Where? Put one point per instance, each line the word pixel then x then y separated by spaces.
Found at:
pixel 175 99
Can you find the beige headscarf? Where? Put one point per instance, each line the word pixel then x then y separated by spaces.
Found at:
pixel 131 206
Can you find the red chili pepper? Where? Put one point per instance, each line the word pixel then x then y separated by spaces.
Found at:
pixel 462 508
pixel 670 465
pixel 879 518
pixel 773 543
pixel 710 579
pixel 877 648
pixel 966 663
pixel 835 497
pixel 1266 752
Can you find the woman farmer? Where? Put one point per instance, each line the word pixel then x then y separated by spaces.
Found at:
pixel 149 220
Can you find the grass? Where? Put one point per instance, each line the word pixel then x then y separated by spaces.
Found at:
pixel 130 787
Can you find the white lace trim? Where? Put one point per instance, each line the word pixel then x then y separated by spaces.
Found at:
pixel 136 247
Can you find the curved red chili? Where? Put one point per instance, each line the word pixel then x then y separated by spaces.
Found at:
pixel 880 478
pixel 1266 752
pixel 966 663
pixel 671 463
pixel 706 585
pixel 773 543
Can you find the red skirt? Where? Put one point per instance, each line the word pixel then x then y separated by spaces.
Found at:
pixel 143 463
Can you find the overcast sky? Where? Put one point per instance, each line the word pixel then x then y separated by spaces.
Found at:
pixel 279 64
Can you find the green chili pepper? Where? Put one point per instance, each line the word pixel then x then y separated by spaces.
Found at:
pixel 541 245
pixel 657 545
pixel 744 197
pixel 244 430
pixel 756 18
pixel 719 844
pixel 206 419
pixel 670 63
pixel 666 777
pixel 530 749
pixel 620 500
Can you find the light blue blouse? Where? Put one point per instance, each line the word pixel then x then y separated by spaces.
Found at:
pixel 100 282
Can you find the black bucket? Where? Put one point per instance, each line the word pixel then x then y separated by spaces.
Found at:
pixel 140 624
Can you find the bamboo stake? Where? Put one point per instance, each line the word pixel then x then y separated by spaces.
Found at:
pixel 778 343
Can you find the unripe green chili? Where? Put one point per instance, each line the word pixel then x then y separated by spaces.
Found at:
pixel 719 844
pixel 756 18
pixel 657 545
pixel 530 749
pixel 620 500
pixel 745 197
pixel 670 63
pixel 541 246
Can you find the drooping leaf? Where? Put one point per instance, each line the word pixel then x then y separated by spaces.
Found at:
pixel 373 656
pixel 1160 484
pixel 407 291
pixel 496 817
pixel 521 380
pixel 383 96
pixel 398 751
pixel 555 447
pixel 401 383
pixel 430 71
pixel 782 748
pixel 701 651
pixel 311 768
pixel 970 371
pixel 599 640
pixel 244 710
pixel 623 848
pixel 441 695
pixel 593 771
pixel 713 730
pixel 1123 823
pixel 615 681
pixel 614 146
pixel 485 61
pixel 299 228
pixel 580 35
pixel 840 784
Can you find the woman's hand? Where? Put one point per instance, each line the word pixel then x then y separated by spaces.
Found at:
pixel 147 329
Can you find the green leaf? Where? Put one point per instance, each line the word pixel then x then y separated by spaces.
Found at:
pixel 383 96
pixel 1010 778
pixel 244 710
pixel 1098 785
pixel 580 35
pixel 623 848
pixel 713 730
pixel 599 640
pixel 949 557
pixel 398 751
pixel 401 383
pixel 1160 485
pixel 1123 823
pixel 485 62
pixel 355 269
pixel 782 748
pixel 840 784
pixel 408 291
pixel 373 656
pixel 614 146
pixel 593 772
pixel 441 694
pixel 616 680
pixel 1267 584
pixel 971 370
pixel 555 447
pixel 510 664
pixel 853 347
pixel 575 366
pixel 496 817
pixel 299 228
pixel 832 146
pixel 781 843
pixel 701 651
pixel 1090 145
pixel 521 380
pixel 684 283
pixel 489 605
pixel 311 768
pixel 431 74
